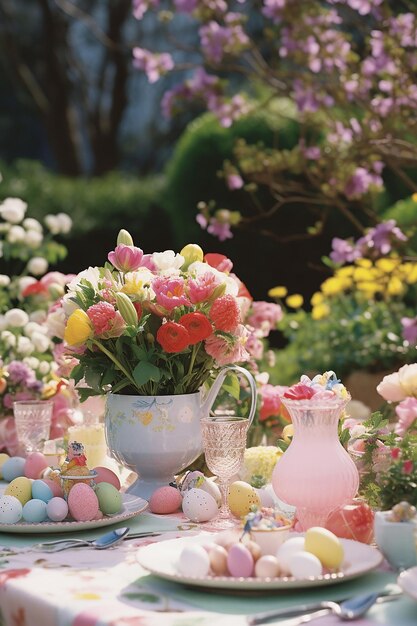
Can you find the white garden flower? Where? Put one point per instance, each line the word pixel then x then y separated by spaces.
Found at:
pixel 31 224
pixel 1 249
pixel 16 318
pixel 38 316
pixel 52 223
pixel 33 327
pixel 4 280
pixel 3 323
pixel 40 341
pixel 33 238
pixel 44 368
pixel 13 210
pixel 65 223
pixel 55 323
pixel 25 282
pixel 92 274
pixel 16 234
pixel 8 338
pixel 24 346
pixel 32 362
pixel 68 304
pixel 37 265
pixel 168 262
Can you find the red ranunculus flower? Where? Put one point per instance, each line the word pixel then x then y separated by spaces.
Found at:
pixel 225 313
pixel 173 337
pixel 198 326
pixel 299 392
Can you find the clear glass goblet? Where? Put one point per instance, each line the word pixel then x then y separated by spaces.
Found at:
pixel 224 443
pixel 33 422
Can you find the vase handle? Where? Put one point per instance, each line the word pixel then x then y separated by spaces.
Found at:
pixel 215 388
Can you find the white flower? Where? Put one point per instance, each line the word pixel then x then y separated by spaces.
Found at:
pixel 4 280
pixel 52 223
pixel 16 318
pixel 40 341
pixel 33 238
pixel 44 367
pixel 168 261
pixel 3 323
pixel 65 223
pixel 37 265
pixel 56 323
pixel 1 249
pixel 357 431
pixel 16 234
pixel 25 282
pixel 13 210
pixel 198 268
pixel 33 327
pixel 31 224
pixel 262 378
pixel 8 338
pixel 139 283
pixel 92 274
pixel 68 304
pixel 32 362
pixel 38 316
pixel 24 346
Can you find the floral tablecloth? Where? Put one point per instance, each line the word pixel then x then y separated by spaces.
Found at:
pixel 87 587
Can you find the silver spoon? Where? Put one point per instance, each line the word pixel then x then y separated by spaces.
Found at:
pixel 348 610
pixel 102 543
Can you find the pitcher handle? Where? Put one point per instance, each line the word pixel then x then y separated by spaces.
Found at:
pixel 215 388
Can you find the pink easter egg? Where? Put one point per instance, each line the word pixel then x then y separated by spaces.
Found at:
pixel 105 475
pixel 82 503
pixel 34 465
pixel 240 561
pixel 54 486
pixel 165 500
pixel 99 515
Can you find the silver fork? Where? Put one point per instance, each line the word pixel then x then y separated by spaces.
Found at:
pixel 348 610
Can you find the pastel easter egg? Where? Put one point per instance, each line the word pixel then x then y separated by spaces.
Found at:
pixel 57 509
pixel 197 480
pixel 54 486
pixel 106 475
pixel 193 561
pixel 82 502
pixel 109 498
pixel 286 550
pixel 34 511
pixel 35 465
pixel 199 506
pixel 41 491
pixel 210 487
pixel 218 560
pixel 304 565
pixel 13 468
pixel 10 510
pixel 241 498
pixel 325 546
pixel 20 488
pixel 3 459
pixel 267 567
pixel 165 500
pixel 240 561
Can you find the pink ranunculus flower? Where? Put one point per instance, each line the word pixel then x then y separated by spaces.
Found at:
pixel 107 322
pixel 126 258
pixel 225 351
pixel 201 288
pixel 170 292
pixel 407 414
pixel 265 316
pixel 390 389
pixel 300 392
pixel 271 401
pixel 254 346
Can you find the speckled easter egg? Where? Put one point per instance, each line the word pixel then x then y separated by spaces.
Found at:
pixel 109 498
pixel 242 497
pixel 20 488
pixel 35 464
pixel 10 510
pixel 105 475
pixel 13 468
pixel 82 503
pixel 41 491
pixel 57 509
pixel 3 459
pixel 165 500
pixel 199 506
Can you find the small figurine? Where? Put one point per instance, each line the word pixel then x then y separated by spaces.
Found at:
pixel 74 469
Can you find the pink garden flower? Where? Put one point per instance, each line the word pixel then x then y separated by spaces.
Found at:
pixel 407 414
pixel 201 288
pixel 254 346
pixel 170 292
pixel 225 351
pixel 271 401
pixel 126 258
pixel 264 316
pixel 107 322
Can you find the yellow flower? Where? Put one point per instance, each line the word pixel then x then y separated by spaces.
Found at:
pixel 363 262
pixel 288 433
pixel 414 197
pixel 387 265
pixel 278 292
pixel 410 272
pixel 295 301
pixel 345 272
pixel 191 252
pixel 259 460
pixel 78 328
pixel 363 274
pixel 370 288
pixel 137 283
pixel 316 298
pixel 395 287
pixel 320 311
pixel 333 286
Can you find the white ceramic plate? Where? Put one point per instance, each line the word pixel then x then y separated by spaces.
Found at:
pixel 408 582
pixel 161 558
pixel 132 505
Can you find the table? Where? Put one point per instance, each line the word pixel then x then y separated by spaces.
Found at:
pixel 86 587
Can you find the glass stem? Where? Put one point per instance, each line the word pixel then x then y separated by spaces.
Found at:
pixel 224 511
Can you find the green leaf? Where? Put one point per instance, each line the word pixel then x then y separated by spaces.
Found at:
pixel 85 393
pixel 144 372
pixel 232 386
pixel 77 373
pixel 93 379
pixel 108 376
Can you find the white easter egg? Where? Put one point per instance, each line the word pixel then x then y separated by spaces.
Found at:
pixel 199 506
pixel 210 487
pixel 193 561
pixel 267 566
pixel 304 565
pixel 286 550
pixel 10 510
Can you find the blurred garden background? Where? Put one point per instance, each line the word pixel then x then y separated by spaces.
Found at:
pixel 261 130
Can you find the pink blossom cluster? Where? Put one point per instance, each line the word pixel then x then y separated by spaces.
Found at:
pixel 401 387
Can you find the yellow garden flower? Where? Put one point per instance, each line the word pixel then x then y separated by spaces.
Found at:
pixel 365 274
pixel 316 298
pixel 395 287
pixel 414 197
pixel 78 328
pixel 278 292
pixel 387 265
pixel 409 271
pixel 370 288
pixel 363 263
pixel 320 311
pixel 345 272
pixel 295 301
pixel 333 286
pixel 191 253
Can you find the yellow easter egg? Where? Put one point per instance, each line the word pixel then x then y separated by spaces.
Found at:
pixel 288 433
pixel 325 546
pixel 20 488
pixel 3 459
pixel 241 498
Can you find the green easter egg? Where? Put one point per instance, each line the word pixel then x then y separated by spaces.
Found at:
pixel 109 499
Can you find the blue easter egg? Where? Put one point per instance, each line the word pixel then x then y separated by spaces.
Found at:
pixel 34 511
pixel 41 491
pixel 13 468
